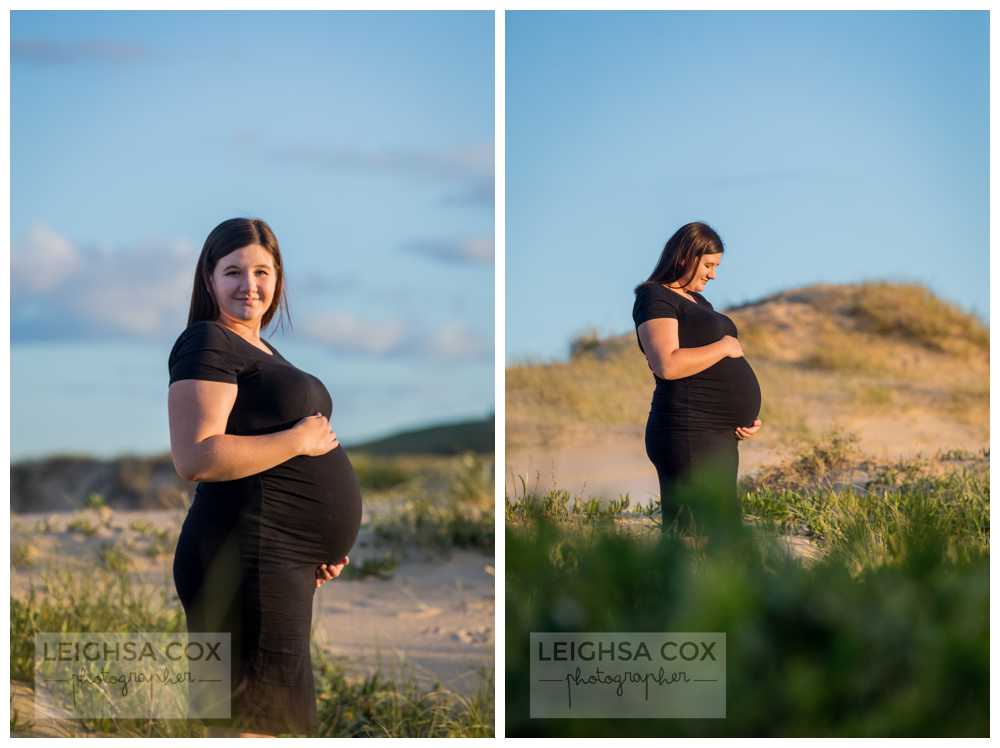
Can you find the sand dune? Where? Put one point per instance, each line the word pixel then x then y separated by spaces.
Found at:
pixel 904 371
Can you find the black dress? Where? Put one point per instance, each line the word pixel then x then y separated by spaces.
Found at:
pixel 691 429
pixel 248 550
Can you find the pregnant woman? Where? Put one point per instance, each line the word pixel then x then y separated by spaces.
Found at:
pixel 707 397
pixel 277 505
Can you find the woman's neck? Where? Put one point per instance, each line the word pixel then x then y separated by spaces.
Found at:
pixel 689 295
pixel 251 334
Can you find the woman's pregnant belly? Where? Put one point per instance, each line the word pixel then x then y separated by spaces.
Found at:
pixel 726 394
pixel 309 510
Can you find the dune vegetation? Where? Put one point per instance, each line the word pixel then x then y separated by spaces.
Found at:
pixel 835 353
pixel 878 626
pixel 110 601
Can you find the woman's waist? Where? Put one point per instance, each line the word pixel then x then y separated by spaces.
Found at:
pixel 689 421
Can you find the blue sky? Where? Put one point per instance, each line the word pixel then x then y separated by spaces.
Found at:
pixel 364 139
pixel 822 146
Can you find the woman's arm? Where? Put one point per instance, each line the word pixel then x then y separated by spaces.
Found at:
pixel 669 361
pixel 201 448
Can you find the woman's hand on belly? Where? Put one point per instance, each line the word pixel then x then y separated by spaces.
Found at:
pixel 315 437
pixel 745 432
pixel 326 572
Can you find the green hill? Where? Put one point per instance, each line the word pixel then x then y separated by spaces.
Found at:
pixel 443 439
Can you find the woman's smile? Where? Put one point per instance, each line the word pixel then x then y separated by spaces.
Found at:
pixel 247 277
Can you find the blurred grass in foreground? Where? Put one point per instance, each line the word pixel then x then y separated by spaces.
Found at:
pixel 885 635
pixel 347 706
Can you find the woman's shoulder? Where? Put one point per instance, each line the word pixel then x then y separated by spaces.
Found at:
pixel 203 328
pixel 653 300
pixel 202 334
pixel 204 350
pixel 650 290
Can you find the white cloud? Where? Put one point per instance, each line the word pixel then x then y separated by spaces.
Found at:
pixel 454 341
pixel 347 332
pixel 144 290
pixel 62 290
pixel 43 260
pixel 461 252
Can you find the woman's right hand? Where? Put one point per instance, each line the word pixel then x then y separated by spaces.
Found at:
pixel 732 346
pixel 315 436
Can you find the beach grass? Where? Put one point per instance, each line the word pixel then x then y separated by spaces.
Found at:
pixel 108 600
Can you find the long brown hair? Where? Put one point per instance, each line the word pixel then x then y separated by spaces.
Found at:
pixel 680 256
pixel 227 237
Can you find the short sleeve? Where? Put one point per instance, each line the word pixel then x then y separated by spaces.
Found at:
pixel 652 305
pixel 203 351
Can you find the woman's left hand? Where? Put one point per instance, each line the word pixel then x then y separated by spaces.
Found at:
pixel 745 432
pixel 326 572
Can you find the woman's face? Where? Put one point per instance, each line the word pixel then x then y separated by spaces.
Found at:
pixel 243 283
pixel 705 271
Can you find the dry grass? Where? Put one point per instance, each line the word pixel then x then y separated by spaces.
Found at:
pixel 24 554
pixel 846 351
pixel 588 388
pixel 912 312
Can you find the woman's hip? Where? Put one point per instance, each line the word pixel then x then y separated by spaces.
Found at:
pixel 677 449
pixel 664 432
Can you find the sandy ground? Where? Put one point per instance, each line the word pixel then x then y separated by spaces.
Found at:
pixel 431 620
pixel 609 465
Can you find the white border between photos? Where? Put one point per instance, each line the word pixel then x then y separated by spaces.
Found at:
pixel 499 359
